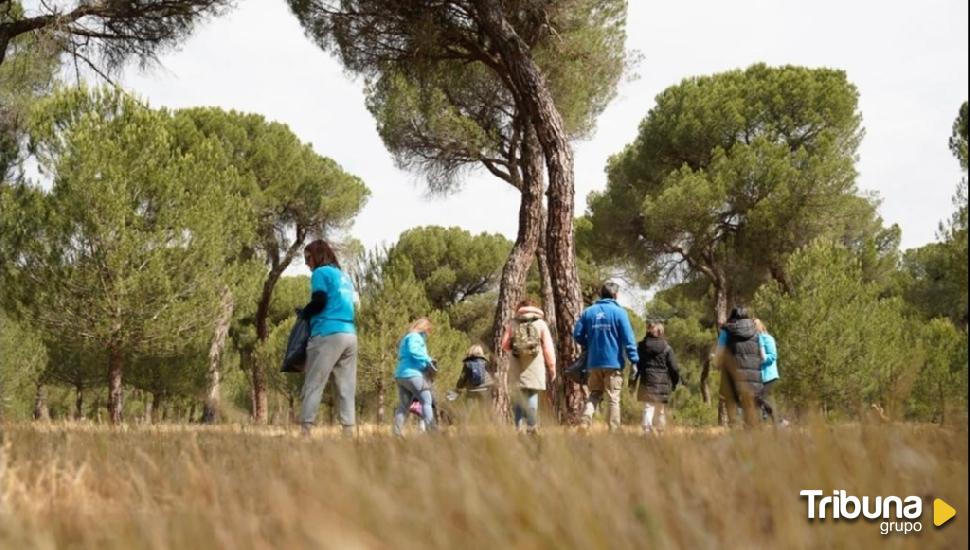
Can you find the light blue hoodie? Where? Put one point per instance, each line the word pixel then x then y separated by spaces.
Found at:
pixel 412 356
pixel 769 366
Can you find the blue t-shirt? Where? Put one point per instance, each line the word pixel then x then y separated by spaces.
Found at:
pixel 338 315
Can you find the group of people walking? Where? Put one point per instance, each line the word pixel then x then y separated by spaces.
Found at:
pixel 745 352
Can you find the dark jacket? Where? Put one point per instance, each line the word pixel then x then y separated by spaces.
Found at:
pixel 657 370
pixel 743 345
pixel 464 379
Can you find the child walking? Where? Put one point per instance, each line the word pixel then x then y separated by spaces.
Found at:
pixel 658 376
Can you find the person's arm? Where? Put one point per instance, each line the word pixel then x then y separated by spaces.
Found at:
pixel 770 350
pixel 506 344
pixel 318 294
pixel 673 369
pixel 418 349
pixel 629 341
pixel 318 301
pixel 579 332
pixel 548 349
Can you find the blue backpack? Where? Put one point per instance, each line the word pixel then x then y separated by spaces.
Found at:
pixel 476 371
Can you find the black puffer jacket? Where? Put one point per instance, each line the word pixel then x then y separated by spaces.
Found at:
pixel 742 342
pixel 657 370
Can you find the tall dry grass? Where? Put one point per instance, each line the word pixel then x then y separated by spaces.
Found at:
pixel 65 486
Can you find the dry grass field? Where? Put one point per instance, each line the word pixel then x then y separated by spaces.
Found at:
pixel 64 486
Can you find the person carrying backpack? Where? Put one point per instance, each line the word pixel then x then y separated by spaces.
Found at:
pixel 604 331
pixel 532 365
pixel 739 358
pixel 475 379
pixel 658 377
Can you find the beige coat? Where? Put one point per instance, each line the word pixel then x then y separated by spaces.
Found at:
pixel 530 376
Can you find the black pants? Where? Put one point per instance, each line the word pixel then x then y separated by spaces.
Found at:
pixel 767 410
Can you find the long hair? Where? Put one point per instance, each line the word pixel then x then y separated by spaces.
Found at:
pixel 318 253
pixel 421 325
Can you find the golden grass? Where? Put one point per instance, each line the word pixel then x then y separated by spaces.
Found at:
pixel 68 486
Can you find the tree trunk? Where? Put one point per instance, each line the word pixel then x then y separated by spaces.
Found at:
pixel 278 266
pixel 41 410
pixel 210 412
pixel 517 265
pixel 116 394
pixel 380 402
pixel 537 102
pixel 78 402
pixel 721 315
pixel 259 400
pixel 147 418
pixel 545 277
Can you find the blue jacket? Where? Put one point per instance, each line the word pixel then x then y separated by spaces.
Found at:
pixel 604 331
pixel 769 367
pixel 412 356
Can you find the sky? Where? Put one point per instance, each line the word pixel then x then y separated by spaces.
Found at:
pixel 908 60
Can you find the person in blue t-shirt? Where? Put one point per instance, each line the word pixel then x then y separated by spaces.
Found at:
pixel 332 348
pixel 413 375
pixel 604 331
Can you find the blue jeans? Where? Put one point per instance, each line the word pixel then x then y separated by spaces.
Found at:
pixel 527 408
pixel 409 389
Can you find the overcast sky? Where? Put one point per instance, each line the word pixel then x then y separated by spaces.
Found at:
pixel 908 59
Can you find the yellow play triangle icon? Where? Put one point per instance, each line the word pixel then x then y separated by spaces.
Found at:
pixel 942 512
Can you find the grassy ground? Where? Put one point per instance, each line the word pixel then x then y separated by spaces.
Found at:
pixel 64 486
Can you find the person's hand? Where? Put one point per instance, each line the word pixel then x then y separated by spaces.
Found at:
pixel 551 375
pixel 634 376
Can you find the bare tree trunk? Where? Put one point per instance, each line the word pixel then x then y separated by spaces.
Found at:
pixel 148 417
pixel 537 102
pixel 721 314
pixel 78 401
pixel 517 265
pixel 258 393
pixel 116 393
pixel 210 412
pixel 380 402
pixel 41 410
pixel 277 267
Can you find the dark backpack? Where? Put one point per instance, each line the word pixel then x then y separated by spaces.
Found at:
pixel 476 372
pixel 294 360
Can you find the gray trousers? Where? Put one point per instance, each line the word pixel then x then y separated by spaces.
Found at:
pixel 337 354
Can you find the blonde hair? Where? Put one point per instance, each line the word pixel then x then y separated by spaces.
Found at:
pixel 476 351
pixel 656 330
pixel 421 325
pixel 760 326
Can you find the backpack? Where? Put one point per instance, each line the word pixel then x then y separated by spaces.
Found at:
pixel 526 339
pixel 476 373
